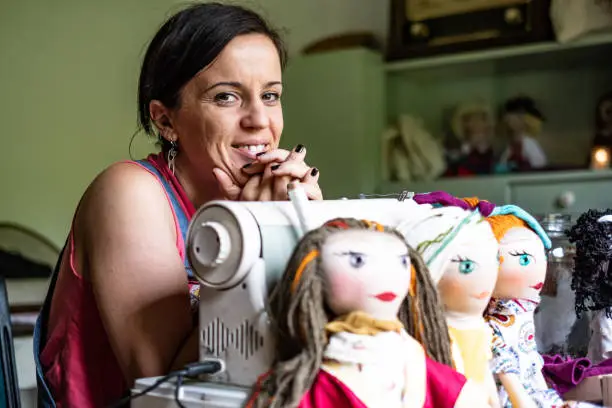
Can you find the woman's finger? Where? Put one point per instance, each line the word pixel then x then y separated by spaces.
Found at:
pixel 271 156
pixel 313 191
pixel 250 190
pixel 311 177
pixel 297 154
pixel 266 186
pixel 281 192
pixel 293 169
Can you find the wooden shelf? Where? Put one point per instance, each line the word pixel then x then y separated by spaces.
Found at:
pixel 498 53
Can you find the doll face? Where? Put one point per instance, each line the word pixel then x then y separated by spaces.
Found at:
pixel 366 271
pixel 523 265
pixel 477 127
pixel 470 276
pixel 514 122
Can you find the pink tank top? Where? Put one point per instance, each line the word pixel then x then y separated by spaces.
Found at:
pixel 78 362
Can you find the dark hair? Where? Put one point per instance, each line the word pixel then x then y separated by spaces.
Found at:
pixel 188 42
pixel 523 104
pixel 592 276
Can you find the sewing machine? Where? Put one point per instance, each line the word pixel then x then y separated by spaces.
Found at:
pixel 238 250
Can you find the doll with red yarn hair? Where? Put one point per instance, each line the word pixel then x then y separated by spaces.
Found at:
pixel 358 323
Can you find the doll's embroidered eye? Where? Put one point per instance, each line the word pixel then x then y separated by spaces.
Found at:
pixel 465 265
pixel 524 257
pixel 356 259
pixel 405 260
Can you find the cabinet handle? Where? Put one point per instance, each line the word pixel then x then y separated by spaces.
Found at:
pixel 566 199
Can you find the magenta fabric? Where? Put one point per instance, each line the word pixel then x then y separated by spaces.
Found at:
pixel 329 392
pixel 447 200
pixel 444 385
pixel 564 373
pixel 443 388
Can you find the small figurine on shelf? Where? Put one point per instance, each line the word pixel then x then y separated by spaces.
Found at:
pixel 472 127
pixel 592 278
pixel 461 253
pixel 521 124
pixel 351 328
pixel 523 264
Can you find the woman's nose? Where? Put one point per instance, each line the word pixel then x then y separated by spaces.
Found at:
pixel 255 116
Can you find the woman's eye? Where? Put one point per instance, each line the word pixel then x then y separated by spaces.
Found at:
pixel 524 260
pixel 466 267
pixel 225 98
pixel 271 97
pixel 356 260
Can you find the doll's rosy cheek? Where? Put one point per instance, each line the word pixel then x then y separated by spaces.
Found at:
pixel 512 277
pixel 452 286
pixel 344 287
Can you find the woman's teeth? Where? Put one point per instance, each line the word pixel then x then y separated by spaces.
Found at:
pixel 253 148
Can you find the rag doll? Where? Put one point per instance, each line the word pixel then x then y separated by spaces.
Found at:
pixel 358 324
pixel 461 254
pixel 523 262
pixel 592 278
pixel 472 126
pixel 522 124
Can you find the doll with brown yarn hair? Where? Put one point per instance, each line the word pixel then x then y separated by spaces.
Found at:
pixel 359 324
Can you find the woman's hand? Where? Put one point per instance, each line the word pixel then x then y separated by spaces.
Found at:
pixel 269 176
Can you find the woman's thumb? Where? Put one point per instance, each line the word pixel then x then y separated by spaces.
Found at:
pixel 227 186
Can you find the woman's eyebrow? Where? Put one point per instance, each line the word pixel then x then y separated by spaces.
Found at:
pixel 235 84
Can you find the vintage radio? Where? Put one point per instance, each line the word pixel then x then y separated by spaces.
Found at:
pixel 421 28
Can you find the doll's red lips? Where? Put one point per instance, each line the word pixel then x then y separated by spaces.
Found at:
pixel 386 296
pixel 538 286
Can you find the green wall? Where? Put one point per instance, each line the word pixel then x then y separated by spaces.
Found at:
pixel 68 76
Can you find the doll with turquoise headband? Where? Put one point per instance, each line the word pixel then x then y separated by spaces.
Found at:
pixel 464 274
pixel 523 263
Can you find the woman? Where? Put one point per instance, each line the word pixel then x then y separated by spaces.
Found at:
pixel 119 306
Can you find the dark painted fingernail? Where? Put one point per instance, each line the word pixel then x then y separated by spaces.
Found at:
pixel 276 166
pixel 314 172
pixel 246 166
pixel 260 154
pixel 299 148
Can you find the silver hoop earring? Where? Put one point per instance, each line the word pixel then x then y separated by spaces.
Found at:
pixel 172 155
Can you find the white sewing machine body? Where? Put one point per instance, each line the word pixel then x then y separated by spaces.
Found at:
pixel 238 250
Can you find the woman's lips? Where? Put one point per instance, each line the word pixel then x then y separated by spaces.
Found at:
pixel 538 286
pixel 386 296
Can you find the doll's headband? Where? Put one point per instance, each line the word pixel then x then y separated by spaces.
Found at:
pixel 444 199
pixel 528 218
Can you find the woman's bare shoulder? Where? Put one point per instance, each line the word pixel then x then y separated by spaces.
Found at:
pixel 125 201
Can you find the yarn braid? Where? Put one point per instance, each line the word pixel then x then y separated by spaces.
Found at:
pixel 423 316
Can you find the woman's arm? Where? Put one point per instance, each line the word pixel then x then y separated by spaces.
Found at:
pixel 129 254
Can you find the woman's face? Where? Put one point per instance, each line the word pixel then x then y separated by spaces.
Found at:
pixel 230 110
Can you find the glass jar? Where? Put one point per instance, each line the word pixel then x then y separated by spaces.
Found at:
pixel 557 329
pixel 561 254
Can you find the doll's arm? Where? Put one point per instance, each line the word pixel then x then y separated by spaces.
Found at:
pixel 516 392
pixel 472 395
pixel 491 388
